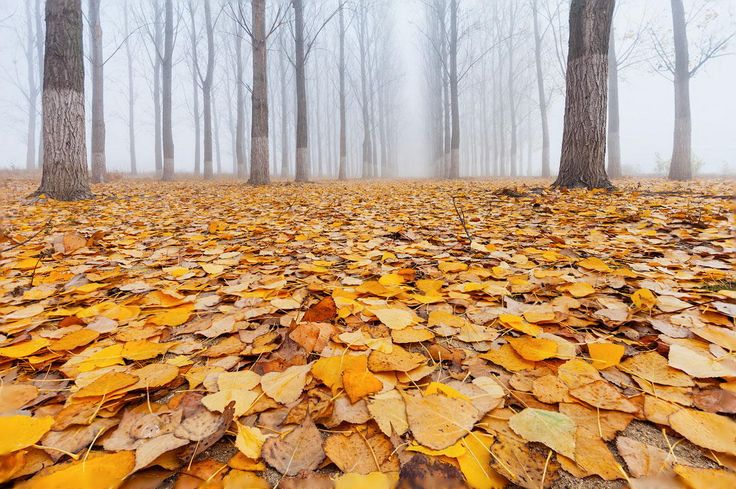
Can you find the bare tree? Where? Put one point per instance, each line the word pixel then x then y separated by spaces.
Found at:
pixel 64 165
pixel 166 75
pixel 33 89
pixel 582 163
pixel 131 92
pixel 342 170
pixel 541 91
pixel 240 99
pixel 98 93
pixel 194 54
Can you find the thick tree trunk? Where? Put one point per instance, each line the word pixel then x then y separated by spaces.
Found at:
pixel 207 93
pixel 614 133
pixel 131 97
pixel 65 153
pixel 454 95
pixel 259 158
pixel 541 92
pixel 168 133
pixel 32 91
pixel 302 128
pixel 342 170
pixel 98 93
pixel 583 159
pixel 681 163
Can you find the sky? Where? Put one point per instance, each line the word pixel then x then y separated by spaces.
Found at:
pixel 646 96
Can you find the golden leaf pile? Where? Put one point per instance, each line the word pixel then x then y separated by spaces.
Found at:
pixel 349 335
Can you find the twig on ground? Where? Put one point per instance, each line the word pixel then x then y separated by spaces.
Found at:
pixel 461 216
pixel 28 239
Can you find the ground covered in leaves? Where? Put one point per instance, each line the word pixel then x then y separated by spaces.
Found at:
pixel 379 335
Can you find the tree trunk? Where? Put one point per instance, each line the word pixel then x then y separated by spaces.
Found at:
pixel 302 128
pixel 541 92
pixel 195 92
pixel 454 95
pixel 65 153
pixel 131 97
pixel 583 159
pixel 681 163
pixel 259 161
pixel 40 62
pixel 284 118
pixel 614 133
pixel 32 92
pixel 342 170
pixel 168 134
pixel 207 93
pixel 157 75
pixel 240 104
pixel 98 80
pixel 512 94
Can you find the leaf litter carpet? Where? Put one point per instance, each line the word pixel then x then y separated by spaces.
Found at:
pixel 369 335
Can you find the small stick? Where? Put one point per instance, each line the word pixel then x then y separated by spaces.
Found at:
pixel 461 216
pixel 27 240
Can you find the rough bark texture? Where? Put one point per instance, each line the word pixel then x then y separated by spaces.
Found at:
pixel 614 133
pixel 454 95
pixel 583 159
pixel 168 134
pixel 64 164
pixel 131 98
pixel 98 93
pixel 342 170
pixel 302 128
pixel 681 163
pixel 542 93
pixel 259 158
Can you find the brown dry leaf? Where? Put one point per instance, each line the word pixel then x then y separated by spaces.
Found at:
pixel 603 424
pixel 398 360
pixel 529 468
pixel 555 430
pixel 323 311
pixel 389 412
pixel 422 472
pixel 699 478
pixel 653 367
pixel 603 395
pixel 507 357
pixel 362 452
pixel 300 449
pixel 15 396
pixel 593 457
pixel 313 337
pixel 641 459
pixel 438 421
pixel 286 387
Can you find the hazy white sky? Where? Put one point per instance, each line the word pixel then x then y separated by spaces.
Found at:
pixel 646 97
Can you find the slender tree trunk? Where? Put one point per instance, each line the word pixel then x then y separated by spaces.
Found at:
pixel 131 97
pixel 302 128
pixel 195 93
pixel 207 93
pixel 284 118
pixel 98 94
pixel 454 95
pixel 614 134
pixel 65 154
pixel 584 136
pixel 216 135
pixel 259 161
pixel 681 163
pixel 342 170
pixel 240 104
pixel 363 46
pixel 541 92
pixel 167 65
pixel 32 92
pixel 447 130
pixel 40 61
pixel 157 75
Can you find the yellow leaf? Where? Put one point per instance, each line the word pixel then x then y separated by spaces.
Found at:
pixel 605 355
pixel 374 480
pixel 517 323
pixel 19 432
pixel 579 289
pixel 553 429
pixel 95 471
pixel 107 384
pixel 440 388
pixel 533 349
pixel 175 316
pixel 74 340
pixel 391 280
pixel 643 299
pixel 593 263
pixel 249 441
pixel 455 450
pixel 707 430
pixel 143 350
pixel 111 355
pixel 475 462
pixel 395 318
pixel 24 349
pixel 212 268
pixel 507 357
pixel 452 266
pixel 697 478
pixel 286 386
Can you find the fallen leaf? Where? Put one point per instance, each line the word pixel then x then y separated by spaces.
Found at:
pixel 299 450
pixel 555 430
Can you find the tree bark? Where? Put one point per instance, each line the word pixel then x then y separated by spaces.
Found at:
pixel 454 95
pixel 542 93
pixel 40 61
pixel 98 93
pixel 614 133
pixel 195 91
pixel 681 163
pixel 259 157
pixel 513 147
pixel 32 91
pixel 342 170
pixel 583 159
pixel 157 75
pixel 302 128
pixel 284 117
pixel 239 103
pixel 168 134
pixel 207 93
pixel 65 154
pixel 131 96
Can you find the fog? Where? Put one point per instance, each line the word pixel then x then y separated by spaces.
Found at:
pixel 646 94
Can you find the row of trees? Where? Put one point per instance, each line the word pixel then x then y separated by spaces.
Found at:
pixel 483 58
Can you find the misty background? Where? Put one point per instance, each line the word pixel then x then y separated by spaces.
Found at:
pixel 646 94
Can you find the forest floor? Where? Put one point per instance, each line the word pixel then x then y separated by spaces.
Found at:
pixel 364 335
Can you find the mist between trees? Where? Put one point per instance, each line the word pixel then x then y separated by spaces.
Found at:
pixel 311 89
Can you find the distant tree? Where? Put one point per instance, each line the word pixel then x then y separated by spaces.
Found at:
pixel 342 169
pixel 541 91
pixel 194 56
pixel 166 75
pixel 583 159
pixel 679 66
pixel 97 63
pixel 131 92
pixel 65 153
